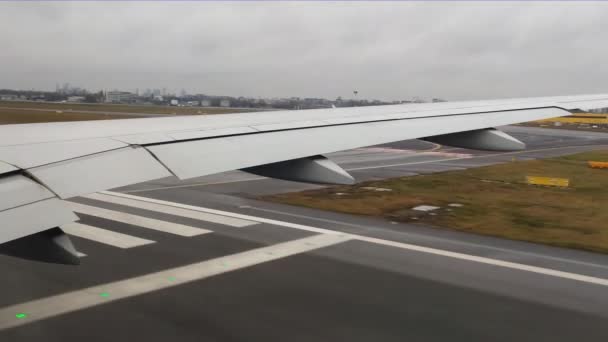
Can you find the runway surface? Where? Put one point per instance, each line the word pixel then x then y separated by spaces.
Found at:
pixel 204 260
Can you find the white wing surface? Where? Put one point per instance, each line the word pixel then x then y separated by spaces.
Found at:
pixel 42 164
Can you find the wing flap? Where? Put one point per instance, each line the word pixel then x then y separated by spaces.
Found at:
pixel 100 171
pixel 31 155
pixel 33 218
pixel 18 190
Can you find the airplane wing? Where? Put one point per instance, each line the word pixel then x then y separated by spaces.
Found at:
pixel 43 164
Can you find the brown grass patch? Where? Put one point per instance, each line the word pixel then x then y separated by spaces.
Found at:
pixel 120 108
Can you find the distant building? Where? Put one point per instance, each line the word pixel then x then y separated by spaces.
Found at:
pixel 225 103
pixel 8 97
pixel 206 103
pixel 174 102
pixel 417 100
pixel 599 110
pixel 119 97
pixel 75 98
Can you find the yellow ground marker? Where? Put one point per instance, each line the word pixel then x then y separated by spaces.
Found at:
pixel 548 181
pixel 598 165
pixel 587 118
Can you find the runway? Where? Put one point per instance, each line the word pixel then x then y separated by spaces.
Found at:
pixel 204 260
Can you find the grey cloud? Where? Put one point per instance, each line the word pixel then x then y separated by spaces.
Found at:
pixel 386 50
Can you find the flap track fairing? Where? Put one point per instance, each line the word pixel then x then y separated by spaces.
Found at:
pixel 316 169
pixel 483 139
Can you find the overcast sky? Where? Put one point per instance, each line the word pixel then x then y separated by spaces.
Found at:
pixel 385 50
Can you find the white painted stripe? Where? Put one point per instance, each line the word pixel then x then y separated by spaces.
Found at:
pixel 171 209
pixel 144 222
pixel 461 256
pixel 77 300
pixel 116 195
pixel 104 236
pixel 494 262
pixel 452 241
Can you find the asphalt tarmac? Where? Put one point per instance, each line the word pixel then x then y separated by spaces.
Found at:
pixel 203 260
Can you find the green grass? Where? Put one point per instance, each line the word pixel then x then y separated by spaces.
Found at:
pixel 496 201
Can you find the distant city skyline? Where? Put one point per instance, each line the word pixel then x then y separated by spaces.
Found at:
pixel 68 88
pixel 64 93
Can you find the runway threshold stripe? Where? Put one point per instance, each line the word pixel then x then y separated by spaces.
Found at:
pixel 168 208
pixel 216 212
pixel 104 236
pixel 107 293
pixel 445 253
pixel 144 222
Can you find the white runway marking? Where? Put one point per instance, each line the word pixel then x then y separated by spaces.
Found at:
pixel 144 200
pixel 454 255
pixel 171 209
pixel 104 236
pixel 144 222
pixel 452 241
pixel 102 294
pixel 495 262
